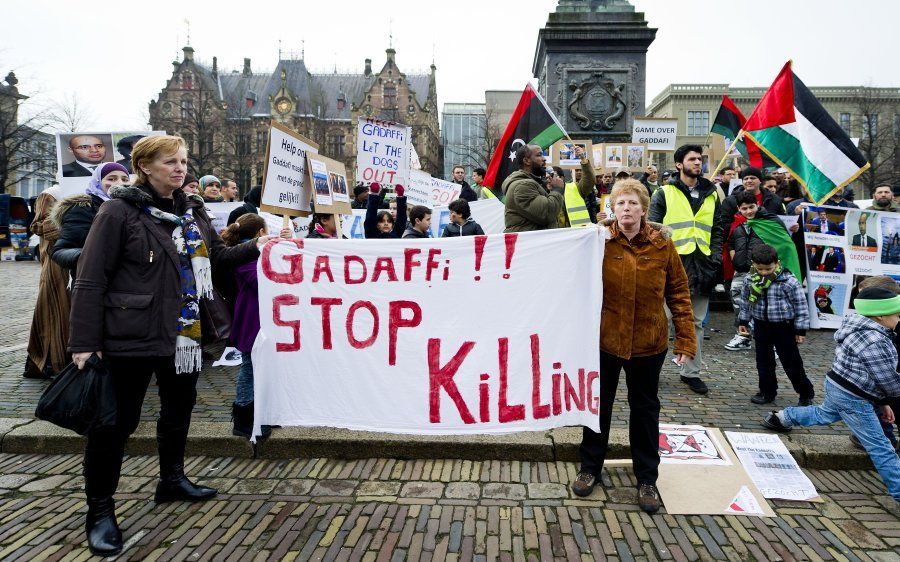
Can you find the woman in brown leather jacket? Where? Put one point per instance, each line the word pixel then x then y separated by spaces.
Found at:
pixel 143 301
pixel 641 273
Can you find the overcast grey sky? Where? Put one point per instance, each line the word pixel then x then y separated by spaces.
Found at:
pixel 117 55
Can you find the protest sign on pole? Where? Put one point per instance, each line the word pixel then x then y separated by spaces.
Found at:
pixel 382 152
pixel 286 188
pixel 657 133
pixel 372 335
pixel 418 190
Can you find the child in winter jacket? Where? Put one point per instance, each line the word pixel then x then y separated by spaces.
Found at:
pixel 461 221
pixel 380 223
pixel 864 372
pixel 773 298
pixel 245 323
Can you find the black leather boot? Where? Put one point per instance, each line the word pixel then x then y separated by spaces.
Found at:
pixel 103 534
pixel 174 486
pixel 243 421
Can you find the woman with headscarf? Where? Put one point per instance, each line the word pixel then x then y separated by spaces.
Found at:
pixel 74 215
pixel 210 189
pixel 49 325
pixel 190 186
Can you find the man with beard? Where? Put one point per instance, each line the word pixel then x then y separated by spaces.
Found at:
pixel 689 205
pixel 883 199
pixel 528 205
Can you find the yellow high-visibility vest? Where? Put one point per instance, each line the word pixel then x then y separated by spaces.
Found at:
pixel 488 192
pixel 689 231
pixel 576 209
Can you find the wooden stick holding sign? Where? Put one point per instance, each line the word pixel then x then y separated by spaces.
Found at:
pixel 331 194
pixel 286 186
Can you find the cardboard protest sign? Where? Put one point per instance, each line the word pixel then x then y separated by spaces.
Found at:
pixel 562 153
pixel 329 180
pixel 443 192
pixel 372 335
pixel 79 153
pixel 657 133
pixel 287 188
pixel 706 483
pixel 383 152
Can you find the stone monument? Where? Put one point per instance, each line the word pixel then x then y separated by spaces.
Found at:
pixel 590 62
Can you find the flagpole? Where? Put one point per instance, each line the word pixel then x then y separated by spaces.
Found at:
pixel 727 152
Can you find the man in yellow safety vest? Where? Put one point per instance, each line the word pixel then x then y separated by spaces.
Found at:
pixel 689 205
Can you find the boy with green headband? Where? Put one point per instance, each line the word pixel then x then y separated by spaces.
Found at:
pixel 775 301
pixel 864 372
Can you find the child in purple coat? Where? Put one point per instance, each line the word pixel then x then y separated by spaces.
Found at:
pixel 245 323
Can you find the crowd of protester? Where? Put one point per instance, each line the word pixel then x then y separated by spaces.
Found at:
pixel 152 281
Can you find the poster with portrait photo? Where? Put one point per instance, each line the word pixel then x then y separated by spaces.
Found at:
pixel 563 153
pixel 78 155
pixel 321 187
pixel 338 187
pixel 614 156
pixel 825 222
pixel 636 155
pixel 826 259
pixel 861 228
pixel 890 239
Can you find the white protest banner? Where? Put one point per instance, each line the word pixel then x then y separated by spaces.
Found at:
pixel 373 335
pixel 771 466
pixel 383 152
pixel 286 186
pixel 77 155
pixel 443 192
pixel 418 190
pixel 657 133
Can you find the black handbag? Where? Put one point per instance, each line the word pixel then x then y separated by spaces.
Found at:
pixel 80 400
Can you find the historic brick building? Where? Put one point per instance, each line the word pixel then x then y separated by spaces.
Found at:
pixel 224 116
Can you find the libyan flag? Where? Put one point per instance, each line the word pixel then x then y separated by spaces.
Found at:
pixel 728 123
pixel 773 233
pixel 792 127
pixel 532 122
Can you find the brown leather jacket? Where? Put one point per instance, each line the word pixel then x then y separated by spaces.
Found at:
pixel 127 296
pixel 638 278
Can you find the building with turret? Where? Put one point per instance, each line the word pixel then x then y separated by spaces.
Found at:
pixel 224 116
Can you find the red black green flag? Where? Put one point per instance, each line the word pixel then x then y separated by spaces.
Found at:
pixel 728 123
pixel 532 122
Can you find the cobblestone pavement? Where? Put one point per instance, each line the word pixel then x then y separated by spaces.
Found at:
pixel 731 375
pixel 385 509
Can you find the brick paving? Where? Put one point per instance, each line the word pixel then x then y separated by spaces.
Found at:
pixel 387 509
pixel 731 375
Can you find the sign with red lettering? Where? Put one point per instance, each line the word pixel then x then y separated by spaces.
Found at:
pixel 467 335
pixel 382 152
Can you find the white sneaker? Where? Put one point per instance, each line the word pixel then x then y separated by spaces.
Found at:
pixel 738 343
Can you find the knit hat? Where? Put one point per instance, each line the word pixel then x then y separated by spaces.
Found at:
pixel 205 180
pixel 188 178
pixel 877 301
pixel 750 171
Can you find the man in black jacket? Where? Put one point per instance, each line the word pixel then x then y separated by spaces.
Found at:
pixel 689 204
pixel 459 176
pixel 767 200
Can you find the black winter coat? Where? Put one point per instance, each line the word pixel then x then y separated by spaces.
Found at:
pixel 743 240
pixel 770 202
pixel 127 298
pixel 702 270
pixel 469 228
pixel 73 217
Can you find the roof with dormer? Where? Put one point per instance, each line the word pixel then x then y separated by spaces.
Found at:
pixel 307 89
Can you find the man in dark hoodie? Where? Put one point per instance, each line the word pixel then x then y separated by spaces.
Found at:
pixel 461 221
pixel 689 205
pixel 251 204
pixel 419 222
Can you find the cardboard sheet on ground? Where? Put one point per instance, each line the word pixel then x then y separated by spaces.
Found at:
pixel 771 466
pixel 703 485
